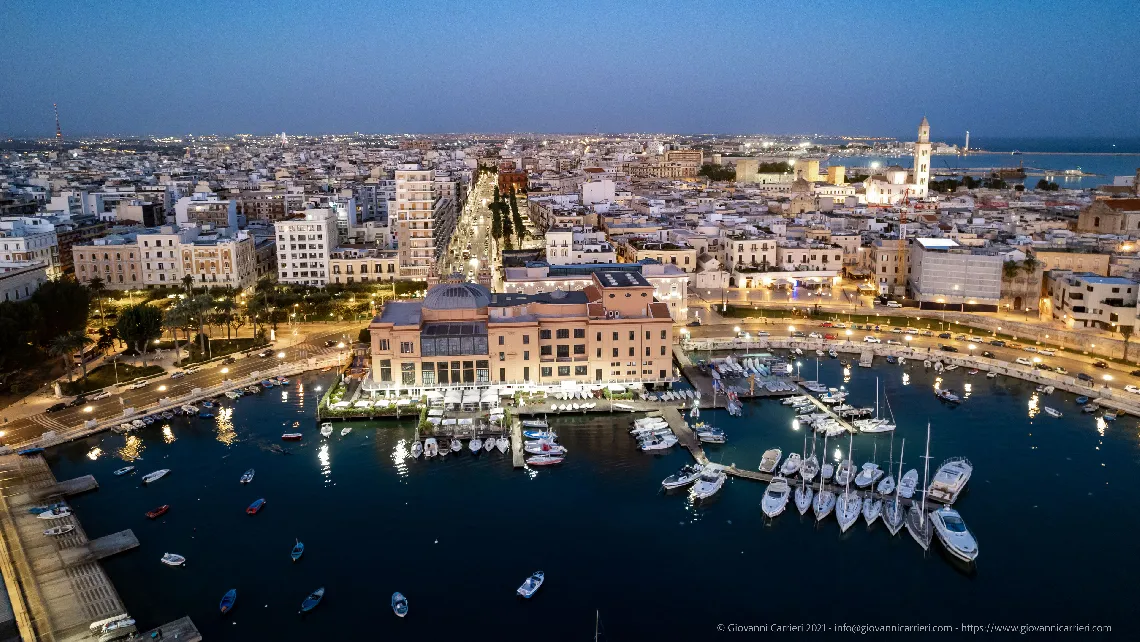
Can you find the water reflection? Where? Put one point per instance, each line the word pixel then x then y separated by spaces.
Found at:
pixel 937 384
pixel 225 431
pixel 94 453
pixel 906 378
pixel 795 424
pixel 326 463
pixel 846 374
pixel 1034 409
pixel 284 396
pixel 132 449
pixel 838 456
pixel 1101 424
pixel 167 434
pixel 968 387
pixel 401 455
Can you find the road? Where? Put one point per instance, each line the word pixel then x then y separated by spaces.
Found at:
pixel 1074 363
pixel 472 231
pixel 211 374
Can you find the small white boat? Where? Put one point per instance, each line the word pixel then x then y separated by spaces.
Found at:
pixel 1052 412
pixel 872 508
pixel 908 483
pixel 247 476
pixel 173 559
pixel 326 429
pixel 59 530
pixel 847 510
pixel 791 465
pixel 770 460
pixel 991 375
pixel 893 516
pixel 827 471
pixel 344 431
pixel 687 475
pixel 954 535
pixel 456 446
pixel 489 444
pixel 868 475
pixel 803 496
pixel 775 496
pixel 431 447
pixel 844 472
pixel 542 447
pixel 709 483
pixel 417 450
pixel 531 584
pixel 502 443
pixel 476 445
pixel 155 476
pixel 544 460
pixel 55 513
pixel 659 442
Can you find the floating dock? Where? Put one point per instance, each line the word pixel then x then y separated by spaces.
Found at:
pixel 831 413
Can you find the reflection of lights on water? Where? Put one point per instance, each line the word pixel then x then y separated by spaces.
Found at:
pixel 94 453
pixel 968 388
pixel 318 388
pixel 1033 409
pixel 906 378
pixel 795 424
pixel 1101 424
pixel 326 463
pixel 167 434
pixel 401 455
pixel 846 375
pixel 132 449
pixel 284 395
pixel 937 384
pixel 838 456
pixel 226 433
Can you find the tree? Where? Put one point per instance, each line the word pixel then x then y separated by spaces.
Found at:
pixel 496 221
pixel 81 341
pixel 138 325
pixel 188 283
pixel 1031 263
pixel 106 340
pixel 1010 270
pixel 199 308
pixel 516 217
pixel 98 289
pixel 508 228
pixel 64 305
pixel 1126 332
pixel 1047 186
pixel 63 346
pixel 176 318
pixel 717 172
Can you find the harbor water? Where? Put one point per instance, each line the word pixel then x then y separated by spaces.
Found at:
pixel 1050 502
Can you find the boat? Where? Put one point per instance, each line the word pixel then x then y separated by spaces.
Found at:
pixel 1109 416
pixel 1082 400
pixel 247 476
pixel 158 512
pixel 537 424
pixel 502 444
pixel 844 471
pixel 826 471
pixel 951 479
pixel 489 444
pixel 417 450
pixel 59 530
pixel 991 375
pixel 952 366
pixel 947 396
pixel 887 486
pixel 344 431
pixel 1052 412
pixel 917 524
pixel 326 429
pixel 809 468
pixel 791 465
pixel 848 506
pixel 255 507
pixel 832 353
pixel 399 604
pixel 431 447
pixel 539 434
pixel 658 442
pixel 118 630
pixel 228 600
pixel 908 483
pixel 173 559
pixel 708 483
pixel 954 535
pixel 291 436
pixel 544 460
pixel 298 550
pixel 124 470
pixel 893 515
pixel 687 475
pixel 314 598
pixel 872 508
pixel 531 584
pixel 476 445
pixel 36 510
pixel 775 496
pixel 803 497
pixel 770 460
pixel 456 445
pixel 155 476
pixel 543 447
pixel 824 498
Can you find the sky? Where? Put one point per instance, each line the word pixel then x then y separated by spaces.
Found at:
pixel 863 67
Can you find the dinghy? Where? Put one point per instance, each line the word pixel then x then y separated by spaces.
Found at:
pixel 173 559
pixel 59 530
pixel 431 447
pixel 344 431
pixel 155 476
pixel 417 450
pixel 228 600
pixel 314 598
pixel 124 470
pixel 399 604
pixel 531 584
pixel 298 550
pixel 247 476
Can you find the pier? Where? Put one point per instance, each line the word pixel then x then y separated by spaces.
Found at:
pixel 865 358
pixel 517 452
pixel 97 549
pixel 795 482
pixel 831 413
pixel 67 488
pixel 684 433
pixel 182 630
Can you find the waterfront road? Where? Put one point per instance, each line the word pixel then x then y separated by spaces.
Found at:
pixel 211 374
pixel 1074 363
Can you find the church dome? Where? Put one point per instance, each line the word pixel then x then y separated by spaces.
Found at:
pixel 457 296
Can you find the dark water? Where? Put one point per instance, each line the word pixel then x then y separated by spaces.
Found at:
pixel 1105 167
pixel 1051 502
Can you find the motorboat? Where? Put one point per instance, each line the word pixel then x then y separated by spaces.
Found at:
pixel 847 509
pixel 314 598
pixel 819 353
pixel 954 535
pixel 770 460
pixel 155 476
pixel 344 431
pixel 59 530
pixel 844 472
pixel 431 447
pixel 824 503
pixel 1052 412
pixel 951 478
pixel 919 526
pixel 158 512
pixel 887 486
pixel 456 446
pixel 809 468
pixel 709 483
pixel 255 507
pixel 947 396
pixel 543 447
pixel 489 444
pixel 36 510
pixel 228 600
pixel 532 584
pixel 868 475
pixel 326 429
pixel 908 483
pixel 827 471
pixel 118 630
pixel 661 442
pixel 476 445
pixel 534 424
pixel 713 438
pixel 893 515
pixel 291 436
pixel 776 496
pixel 991 375
pixel 833 354
pixel 1109 416
pixel 247 476
pixel 803 497
pixel 502 443
pixel 417 450
pixel 539 434
pixel 1082 400
pixel 124 470
pixel 687 475
pixel 872 508
pixel 544 460
pixel 399 604
pixel 791 465
pixel 173 559
pixel 298 550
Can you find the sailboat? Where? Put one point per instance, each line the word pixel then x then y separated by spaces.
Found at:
pixel 917 522
pixel 824 498
pixel 848 507
pixel 887 485
pixel 892 510
pixel 803 492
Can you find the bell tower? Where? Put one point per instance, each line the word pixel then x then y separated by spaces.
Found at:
pixel 922 159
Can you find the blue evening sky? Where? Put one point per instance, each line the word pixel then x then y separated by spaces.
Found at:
pixel 998 68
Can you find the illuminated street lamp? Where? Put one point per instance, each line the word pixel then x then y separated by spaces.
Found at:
pixel 280 355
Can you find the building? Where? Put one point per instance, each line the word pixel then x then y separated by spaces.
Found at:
pixel 634 250
pixel 462 335
pixel 204 209
pixel 20 279
pixel 948 276
pixel 415 221
pixel 220 260
pixel 890 266
pixel 1111 216
pixel 362 264
pixel 567 245
pixel 161 251
pixel 114 258
pixel 1073 261
pixel 30 238
pixel 304 244
pixel 512 179
pixel 895 184
pixel 1083 300
pixel 670 283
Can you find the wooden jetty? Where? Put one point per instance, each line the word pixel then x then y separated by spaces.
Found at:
pixel 826 408
pixel 67 488
pixel 684 434
pixel 517 452
pixel 181 629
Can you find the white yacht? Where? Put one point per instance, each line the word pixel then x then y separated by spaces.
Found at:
pixel 893 515
pixel 326 429
pixel 951 479
pixel 544 447
pixel 683 477
pixel 775 496
pixel 868 475
pixel 489 444
pixel 431 447
pixel 791 465
pixel 847 509
pixel 824 503
pixel 476 445
pixel 872 508
pixel 809 468
pixel 659 442
pixel 887 486
pixel 844 472
pixel 908 483
pixel 417 450
pixel 709 483
pixel 770 460
pixel 954 535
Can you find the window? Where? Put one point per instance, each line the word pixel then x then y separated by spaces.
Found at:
pixel 632 351
pixel 526 373
pixel 442 372
pixel 563 371
pixel 502 356
pixel 615 336
pixel 482 372
pixel 502 339
pixel 648 352
pixel 546 372
pixel 579 348
pixel 563 351
pixel 385 370
pixel 502 374
pixel 545 351
pixel 544 334
pixel 563 333
pixel 580 371
pixel 408 373
pixel 662 374
pixel 663 351
pixel 428 370
pixel 526 339
pixel 615 352
pixel 599 353
pixel 599 336
pixel 526 355
pixel 384 345
pixel 647 337
pixel 579 333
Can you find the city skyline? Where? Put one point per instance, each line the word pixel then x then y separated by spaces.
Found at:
pixel 680 68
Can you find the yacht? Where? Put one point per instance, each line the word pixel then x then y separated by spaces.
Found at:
pixel 661 442
pixel 502 444
pixel 456 446
pixel 417 450
pixel 803 497
pixel 954 535
pixel 489 444
pixel 770 460
pixel 791 465
pixel 776 496
pixel 908 483
pixel 155 476
pixel 893 515
pixel 709 483
pixel 476 445
pixel 531 584
pixel 869 474
pixel 824 503
pixel 887 486
pixel 543 447
pixel 687 475
pixel 826 471
pixel 544 460
pixel 326 429
pixel 431 447
pixel 872 508
pixel 247 476
pixel 918 525
pixel 844 472
pixel 951 479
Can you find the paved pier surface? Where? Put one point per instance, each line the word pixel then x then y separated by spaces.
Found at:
pixel 99 548
pixel 796 481
pixel 68 488
pixel 182 630
pixel 685 434
pixel 517 451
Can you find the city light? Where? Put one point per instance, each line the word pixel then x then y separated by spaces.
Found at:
pixel 280 355
pixel 162 388
pixel 88 408
pixel 225 370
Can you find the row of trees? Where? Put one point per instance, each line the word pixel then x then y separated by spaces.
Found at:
pixel 506 221
pixel 715 172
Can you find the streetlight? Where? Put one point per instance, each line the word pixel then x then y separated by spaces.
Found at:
pixel 280 355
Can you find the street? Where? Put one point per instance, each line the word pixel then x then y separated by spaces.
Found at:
pixel 472 235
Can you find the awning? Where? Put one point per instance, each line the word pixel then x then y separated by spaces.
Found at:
pixel 435 412
pixel 433 394
pixel 453 396
pixel 617 387
pixel 470 396
pixel 488 396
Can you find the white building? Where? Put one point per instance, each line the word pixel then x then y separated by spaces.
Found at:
pixel 895 184
pixel 568 245
pixel 1084 299
pixel 670 283
pixel 947 274
pixel 30 238
pixel 304 245
pixel 20 279
pixel 598 191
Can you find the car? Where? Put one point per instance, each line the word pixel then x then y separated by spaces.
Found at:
pixel 178 375
pixel 1133 389
pixel 1084 377
pixel 330 343
pixel 264 353
pixel 78 401
pixel 945 335
pixel 695 323
pixel 1023 361
pixel 997 342
pixel 840 326
pixel 897 330
pixel 1029 349
pixel 830 337
pixel 894 304
pixel 228 361
pixel 871 339
pixel 947 348
pixel 892 342
pixel 988 355
pixel 927 333
pixel 912 330
pixel 1013 344
pixel 960 337
pixel 1135 373
pixel 973 339
pixel 762 333
pixel 825 324
pixel 1100 364
pixel 137 385
pixel 815 335
pixel 1048 352
pixel 100 395
pixel 192 369
pixel 797 333
pixel 1060 370
pixel 1043 366
pixel 57 407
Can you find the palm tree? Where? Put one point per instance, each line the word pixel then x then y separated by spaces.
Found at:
pixel 98 288
pixel 81 341
pixel 225 313
pixel 1010 270
pixel 199 308
pixel 175 319
pixel 63 346
pixel 188 283
pixel 1126 332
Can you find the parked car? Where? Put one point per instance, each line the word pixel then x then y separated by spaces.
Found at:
pixel 228 360
pixel 692 324
pixel 100 395
pixel 1135 373
pixel 1043 366
pixel 829 337
pixel 1084 377
pixel 960 337
pixel 797 333
pixel 815 335
pixel 927 333
pixel 57 407
pixel 1100 364
pixel 897 330
pixel 997 342
pixel 1133 389
pixel 892 342
pixel 988 355
pixel 894 304
pixel 1060 370
pixel 948 348
pixel 137 385
pixel 178 375
pixel 912 330
pixel 1048 352
pixel 78 401
pixel 826 324
pixel 1023 361
pixel 264 353
pixel 945 335
pixel 871 339
pixel 840 325
pixel 1029 349
pixel 762 333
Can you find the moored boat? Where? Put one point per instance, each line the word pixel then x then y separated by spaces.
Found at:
pixel 544 460
pixel 417 450
pixel 770 460
pixel 399 604
pixel 687 475
pixel 803 497
pixel 532 584
pixel 256 506
pixel 173 559
pixel 908 484
pixel 489 444
pixel 709 483
pixel 456 445
pixel 298 551
pixel 59 530
pixel 872 508
pixel 314 598
pixel 228 600
pixel 291 436
pixel 775 496
pixel 954 535
pixel 847 509
pixel 155 476
pixel 502 443
pixel 158 512
pixel 951 479
pixel 326 429
pixel 431 447
pixel 124 470
pixel 791 465
pixel 476 445
pixel 247 476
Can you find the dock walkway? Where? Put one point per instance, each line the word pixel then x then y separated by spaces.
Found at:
pixel 684 434
pixel 517 452
pixel 796 481
pixel 826 408
pixel 182 630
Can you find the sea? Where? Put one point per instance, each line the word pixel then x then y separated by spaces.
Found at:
pixel 1051 503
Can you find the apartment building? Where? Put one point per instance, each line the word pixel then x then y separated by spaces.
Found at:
pixel 304 244
pixel 30 238
pixel 634 250
pixel 670 283
pixel 220 260
pixel 1074 261
pixel 745 251
pixel 205 209
pixel 363 264
pixel 568 245
pixel 809 256
pixel 1084 299
pixel 161 251
pixel 114 258
pixel 415 220
pixel 20 279
pixel 946 275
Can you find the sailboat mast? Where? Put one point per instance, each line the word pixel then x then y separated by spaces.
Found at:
pixel 850 460
pixel 898 486
pixel 925 474
pixel 597 616
pixel 821 462
pixel 876 397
